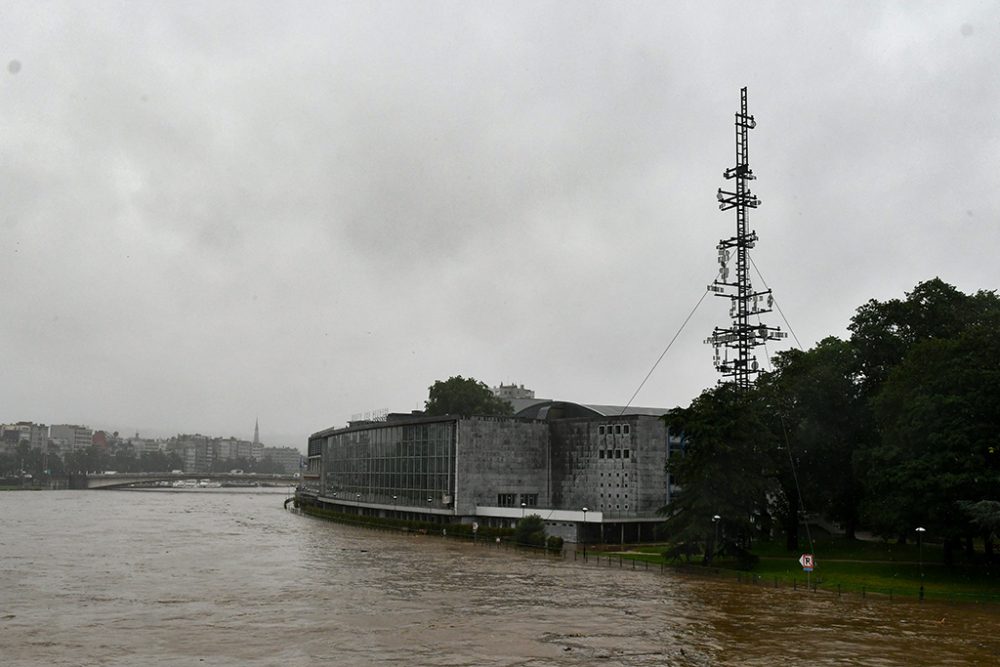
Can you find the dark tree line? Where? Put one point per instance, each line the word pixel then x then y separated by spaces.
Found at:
pixel 265 466
pixel 894 428
pixel 40 465
pixel 27 461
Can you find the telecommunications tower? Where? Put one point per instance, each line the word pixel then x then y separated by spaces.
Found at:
pixel 735 346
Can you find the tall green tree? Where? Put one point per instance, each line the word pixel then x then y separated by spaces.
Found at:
pixel 815 399
pixel 725 471
pixel 900 345
pixel 939 419
pixel 464 396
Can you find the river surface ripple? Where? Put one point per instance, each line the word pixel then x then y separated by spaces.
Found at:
pixel 230 578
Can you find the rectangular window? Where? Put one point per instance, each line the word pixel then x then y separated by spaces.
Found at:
pixel 625 429
pixel 505 499
pixel 618 453
pixel 618 428
pixel 626 454
pixel 600 429
pixel 600 454
pixel 529 499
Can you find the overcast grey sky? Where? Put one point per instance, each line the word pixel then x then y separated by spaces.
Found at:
pixel 217 211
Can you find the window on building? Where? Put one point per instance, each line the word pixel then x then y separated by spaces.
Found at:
pixel 529 499
pixel 625 455
pixel 600 429
pixel 618 429
pixel 506 499
pixel 600 454
pixel 625 429
pixel 618 453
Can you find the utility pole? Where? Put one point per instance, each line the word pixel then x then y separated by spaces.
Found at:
pixel 735 345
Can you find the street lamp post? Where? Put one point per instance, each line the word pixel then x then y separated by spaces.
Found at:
pixel 584 530
pixel 920 550
pixel 715 545
pixel 523 505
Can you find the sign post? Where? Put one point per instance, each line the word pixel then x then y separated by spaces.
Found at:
pixel 808 562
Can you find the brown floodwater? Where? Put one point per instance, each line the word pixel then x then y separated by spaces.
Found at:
pixel 230 578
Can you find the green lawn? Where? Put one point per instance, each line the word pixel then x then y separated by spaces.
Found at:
pixel 843 549
pixel 856 566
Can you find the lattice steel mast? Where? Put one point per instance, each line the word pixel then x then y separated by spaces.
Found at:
pixel 742 337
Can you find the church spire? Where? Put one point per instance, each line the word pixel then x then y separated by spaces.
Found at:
pixel 256 431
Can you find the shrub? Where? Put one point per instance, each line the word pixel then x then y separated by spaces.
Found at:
pixel 530 531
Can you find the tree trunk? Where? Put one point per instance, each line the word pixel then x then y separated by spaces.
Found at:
pixel 850 529
pixel 791 522
pixel 792 536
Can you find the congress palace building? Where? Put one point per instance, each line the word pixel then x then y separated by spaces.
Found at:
pixel 593 473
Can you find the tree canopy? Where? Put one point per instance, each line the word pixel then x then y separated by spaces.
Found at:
pixel 894 428
pixel 464 396
pixel 723 473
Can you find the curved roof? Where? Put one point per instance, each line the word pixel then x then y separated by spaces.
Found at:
pixel 549 410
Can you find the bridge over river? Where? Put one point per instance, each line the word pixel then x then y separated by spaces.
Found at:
pixel 122 479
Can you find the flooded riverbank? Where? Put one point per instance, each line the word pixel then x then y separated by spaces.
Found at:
pixel 230 578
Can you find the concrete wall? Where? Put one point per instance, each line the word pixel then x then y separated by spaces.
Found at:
pixel 649 435
pixel 501 455
pixel 618 486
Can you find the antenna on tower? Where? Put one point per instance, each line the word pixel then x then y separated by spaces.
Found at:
pixel 741 336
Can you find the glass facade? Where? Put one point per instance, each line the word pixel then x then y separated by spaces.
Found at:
pixel 401 465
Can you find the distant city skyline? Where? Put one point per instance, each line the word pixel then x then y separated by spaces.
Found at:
pixel 153 433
